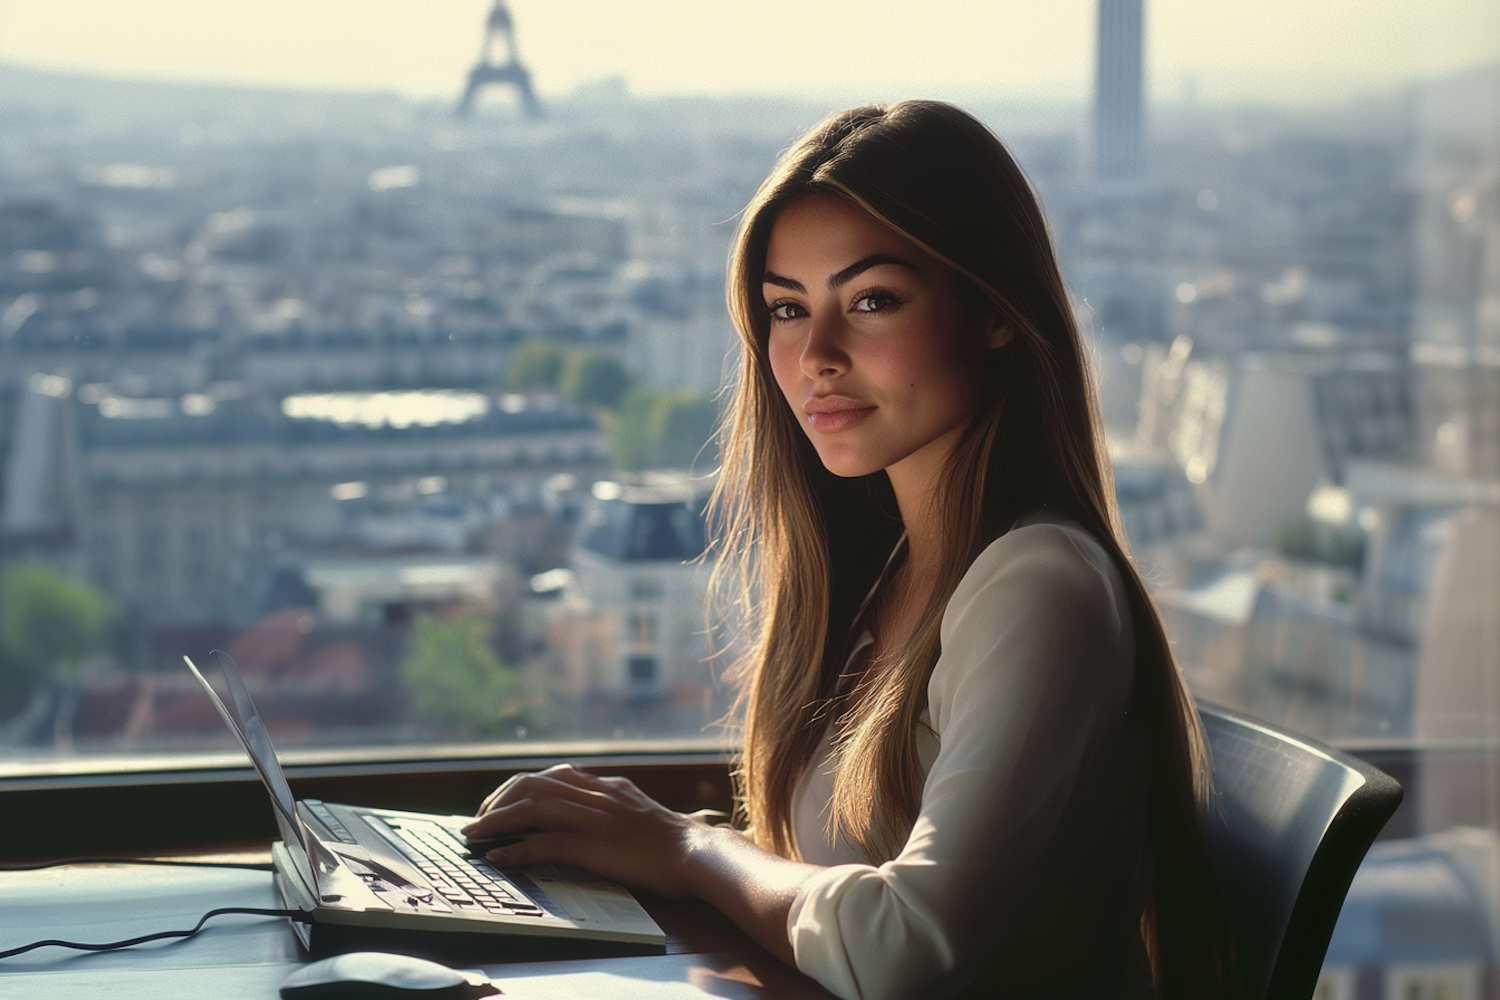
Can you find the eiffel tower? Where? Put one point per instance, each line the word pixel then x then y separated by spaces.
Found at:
pixel 490 70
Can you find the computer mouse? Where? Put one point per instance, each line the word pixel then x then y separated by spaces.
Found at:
pixel 376 975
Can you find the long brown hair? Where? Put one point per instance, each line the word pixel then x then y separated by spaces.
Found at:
pixel 801 547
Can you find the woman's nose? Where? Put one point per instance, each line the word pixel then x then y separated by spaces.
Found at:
pixel 823 355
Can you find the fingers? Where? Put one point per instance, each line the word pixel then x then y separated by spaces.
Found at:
pixel 542 801
pixel 541 849
pixel 605 825
pixel 552 812
pixel 587 779
pixel 655 865
pixel 494 799
pixel 550 781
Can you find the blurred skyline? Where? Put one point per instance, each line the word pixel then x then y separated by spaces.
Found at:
pixel 1279 51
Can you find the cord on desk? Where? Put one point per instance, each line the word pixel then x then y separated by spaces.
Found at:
pixel 259 866
pixel 158 936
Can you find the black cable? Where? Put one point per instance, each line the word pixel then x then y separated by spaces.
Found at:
pixel 160 935
pixel 259 866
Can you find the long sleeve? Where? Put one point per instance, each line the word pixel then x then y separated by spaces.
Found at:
pixel 1030 691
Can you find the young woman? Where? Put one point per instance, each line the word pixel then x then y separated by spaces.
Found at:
pixel 970 765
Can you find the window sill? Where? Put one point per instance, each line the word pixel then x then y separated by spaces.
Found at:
pixel 86 806
pixel 323 761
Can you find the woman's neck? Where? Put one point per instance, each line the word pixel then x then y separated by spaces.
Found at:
pixel 921 516
pixel 899 613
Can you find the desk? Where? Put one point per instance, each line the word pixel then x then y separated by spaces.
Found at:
pixel 247 957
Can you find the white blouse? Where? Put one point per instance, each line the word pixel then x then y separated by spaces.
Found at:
pixel 1025 872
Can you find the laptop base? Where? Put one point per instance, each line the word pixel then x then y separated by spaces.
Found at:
pixel 320 940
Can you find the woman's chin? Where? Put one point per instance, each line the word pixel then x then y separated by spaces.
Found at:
pixel 848 466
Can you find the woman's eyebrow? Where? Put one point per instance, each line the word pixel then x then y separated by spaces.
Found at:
pixel 839 278
pixel 772 278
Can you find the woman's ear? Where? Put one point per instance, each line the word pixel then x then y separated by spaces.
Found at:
pixel 999 333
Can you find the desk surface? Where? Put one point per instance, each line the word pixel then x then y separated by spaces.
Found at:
pixel 247 957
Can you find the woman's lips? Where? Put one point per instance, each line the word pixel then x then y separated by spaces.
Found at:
pixel 831 414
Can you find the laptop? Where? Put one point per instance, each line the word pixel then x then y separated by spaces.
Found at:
pixel 389 880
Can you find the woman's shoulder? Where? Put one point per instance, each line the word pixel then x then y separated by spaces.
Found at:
pixel 1043 606
pixel 1047 555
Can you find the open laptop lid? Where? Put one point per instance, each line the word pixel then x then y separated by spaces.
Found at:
pixel 244 722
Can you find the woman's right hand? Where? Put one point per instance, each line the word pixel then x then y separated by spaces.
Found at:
pixel 610 827
pixel 605 825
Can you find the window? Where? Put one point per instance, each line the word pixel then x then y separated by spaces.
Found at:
pixel 641 671
pixel 298 362
pixel 645 590
pixel 151 557
pixel 1335 983
pixel 199 569
pixel 643 630
pixel 1435 981
pixel 106 559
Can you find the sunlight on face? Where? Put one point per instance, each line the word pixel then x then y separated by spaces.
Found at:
pixel 869 342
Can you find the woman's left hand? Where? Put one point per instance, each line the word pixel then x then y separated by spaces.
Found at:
pixel 604 825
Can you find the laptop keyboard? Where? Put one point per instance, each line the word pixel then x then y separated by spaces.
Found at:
pixel 327 818
pixel 463 881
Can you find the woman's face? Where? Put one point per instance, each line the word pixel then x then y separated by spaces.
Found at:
pixel 870 343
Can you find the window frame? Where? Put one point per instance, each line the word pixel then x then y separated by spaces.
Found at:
pixel 196 804
pixel 124 813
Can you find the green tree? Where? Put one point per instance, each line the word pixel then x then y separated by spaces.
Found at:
pixel 1315 541
pixel 633 431
pixel 536 364
pixel 661 429
pixel 685 419
pixel 48 623
pixel 457 682
pixel 593 378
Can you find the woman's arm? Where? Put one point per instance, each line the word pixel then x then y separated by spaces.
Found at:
pixel 1029 692
pixel 610 827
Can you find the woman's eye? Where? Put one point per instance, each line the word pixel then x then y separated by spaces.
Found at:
pixel 781 312
pixel 874 302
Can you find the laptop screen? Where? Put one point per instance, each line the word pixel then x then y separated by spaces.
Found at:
pixel 244 722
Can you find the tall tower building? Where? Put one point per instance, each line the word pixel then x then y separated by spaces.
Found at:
pixel 500 63
pixel 1455 306
pixel 1117 89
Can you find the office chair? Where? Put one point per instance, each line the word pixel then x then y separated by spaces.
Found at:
pixel 1290 824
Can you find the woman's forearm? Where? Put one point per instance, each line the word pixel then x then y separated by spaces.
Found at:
pixel 610 827
pixel 751 886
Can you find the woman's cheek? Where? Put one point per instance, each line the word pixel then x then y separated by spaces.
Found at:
pixel 785 367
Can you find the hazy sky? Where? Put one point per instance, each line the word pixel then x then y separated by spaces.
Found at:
pixel 866 49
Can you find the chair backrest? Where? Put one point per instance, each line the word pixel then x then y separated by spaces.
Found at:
pixel 1290 823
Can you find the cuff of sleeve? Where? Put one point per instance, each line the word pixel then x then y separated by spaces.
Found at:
pixel 813 928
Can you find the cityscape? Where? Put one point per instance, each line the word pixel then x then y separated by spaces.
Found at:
pixel 411 411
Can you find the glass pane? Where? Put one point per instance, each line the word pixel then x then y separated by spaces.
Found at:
pixel 391 368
